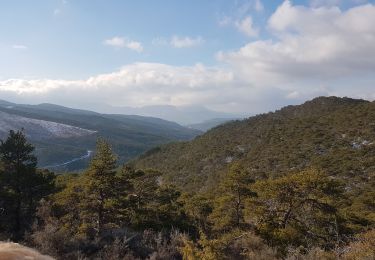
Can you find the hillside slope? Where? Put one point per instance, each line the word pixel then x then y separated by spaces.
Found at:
pixel 63 134
pixel 39 129
pixel 335 134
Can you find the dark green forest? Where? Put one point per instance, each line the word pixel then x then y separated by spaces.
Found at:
pixel 297 183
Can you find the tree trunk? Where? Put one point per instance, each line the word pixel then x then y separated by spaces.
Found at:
pixel 17 226
pixel 238 208
pixel 100 213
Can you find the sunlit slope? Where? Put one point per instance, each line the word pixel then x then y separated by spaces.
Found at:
pixel 335 134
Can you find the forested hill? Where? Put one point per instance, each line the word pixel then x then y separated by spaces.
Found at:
pixel 331 133
pixel 63 134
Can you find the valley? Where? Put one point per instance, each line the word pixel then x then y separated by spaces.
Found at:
pixel 64 164
pixel 62 134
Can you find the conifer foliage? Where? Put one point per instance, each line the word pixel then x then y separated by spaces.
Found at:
pixel 99 192
pixel 21 184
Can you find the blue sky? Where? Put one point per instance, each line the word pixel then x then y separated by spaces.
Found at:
pixel 65 39
pixel 227 55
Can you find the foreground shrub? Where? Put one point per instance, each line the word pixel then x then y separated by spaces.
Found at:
pixel 234 245
pixel 363 248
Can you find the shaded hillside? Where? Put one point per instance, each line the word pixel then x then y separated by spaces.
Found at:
pixel 335 134
pixel 129 135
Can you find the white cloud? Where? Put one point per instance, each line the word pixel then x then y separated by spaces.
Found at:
pixel 258 6
pixel 136 46
pixel 19 47
pixel 121 42
pixel 323 43
pixel 241 18
pixel 185 42
pixel 225 21
pixel 246 26
pixel 134 85
pixel 244 7
pixel 178 41
pixel 116 42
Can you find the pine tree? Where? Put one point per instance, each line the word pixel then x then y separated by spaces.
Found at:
pixel 100 187
pixel 298 210
pixel 22 185
pixel 235 189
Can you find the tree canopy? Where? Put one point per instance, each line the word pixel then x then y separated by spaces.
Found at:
pixel 21 184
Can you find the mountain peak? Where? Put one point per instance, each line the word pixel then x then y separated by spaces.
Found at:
pixel 319 106
pixel 333 100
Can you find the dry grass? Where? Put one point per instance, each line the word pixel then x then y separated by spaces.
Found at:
pixel 363 248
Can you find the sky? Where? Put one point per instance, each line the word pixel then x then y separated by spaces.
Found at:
pixel 236 56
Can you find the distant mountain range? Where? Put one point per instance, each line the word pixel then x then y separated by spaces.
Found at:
pixel 184 115
pixel 63 134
